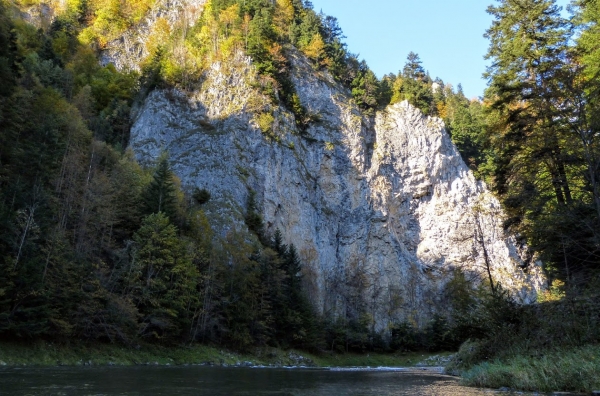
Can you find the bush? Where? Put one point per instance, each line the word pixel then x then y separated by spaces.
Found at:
pixel 404 337
pixel 438 336
pixel 201 196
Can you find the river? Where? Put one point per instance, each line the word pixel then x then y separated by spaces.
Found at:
pixel 214 381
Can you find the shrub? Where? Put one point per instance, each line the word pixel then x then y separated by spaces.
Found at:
pixel 201 196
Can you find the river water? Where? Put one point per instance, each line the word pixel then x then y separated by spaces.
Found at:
pixel 214 381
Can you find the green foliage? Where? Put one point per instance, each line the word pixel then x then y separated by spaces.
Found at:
pixel 8 54
pixel 412 68
pixel 541 144
pixel 253 218
pixel 438 335
pixel 265 123
pixel 522 346
pixel 365 89
pixel 413 85
pixel 159 195
pixel 201 195
pixel 264 30
pixel 404 337
pixel 109 18
pixel 94 247
pixel 162 280
pixel 571 370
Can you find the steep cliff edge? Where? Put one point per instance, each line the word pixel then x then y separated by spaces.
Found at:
pixel 382 210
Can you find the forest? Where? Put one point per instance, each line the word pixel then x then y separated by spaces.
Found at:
pixel 95 247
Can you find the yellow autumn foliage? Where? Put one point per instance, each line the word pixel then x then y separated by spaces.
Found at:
pixel 265 122
pixel 283 17
pixel 110 18
pixel 442 109
pixel 556 292
pixel 230 19
pixel 315 50
pixel 159 35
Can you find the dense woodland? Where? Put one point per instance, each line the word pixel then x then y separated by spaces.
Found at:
pixel 95 247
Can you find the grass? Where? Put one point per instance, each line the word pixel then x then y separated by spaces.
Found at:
pixel 50 354
pixel 43 353
pixel 405 359
pixel 571 370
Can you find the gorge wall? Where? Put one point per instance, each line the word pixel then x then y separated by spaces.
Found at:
pixel 382 209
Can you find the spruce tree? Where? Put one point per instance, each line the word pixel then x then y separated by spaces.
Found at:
pixel 588 112
pixel 365 88
pixel 528 48
pixel 413 85
pixel 413 68
pixel 533 112
pixel 277 243
pixel 161 278
pixel 159 196
pixel 253 219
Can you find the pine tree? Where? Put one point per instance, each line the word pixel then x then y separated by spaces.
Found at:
pixel 528 44
pixel 277 243
pixel 533 113
pixel 588 86
pixel 413 68
pixel 365 88
pixel 159 196
pixel 159 279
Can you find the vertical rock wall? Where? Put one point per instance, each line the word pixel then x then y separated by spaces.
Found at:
pixel 382 210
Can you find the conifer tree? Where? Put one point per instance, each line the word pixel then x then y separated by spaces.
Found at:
pixel 293 269
pixel 158 281
pixel 159 196
pixel 278 244
pixel 587 107
pixel 533 112
pixel 528 44
pixel 253 219
pixel 413 85
pixel 413 68
pixel 365 88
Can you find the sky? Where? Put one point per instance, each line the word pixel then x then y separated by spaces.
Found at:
pixel 447 35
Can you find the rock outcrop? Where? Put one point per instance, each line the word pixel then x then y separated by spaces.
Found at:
pixel 381 209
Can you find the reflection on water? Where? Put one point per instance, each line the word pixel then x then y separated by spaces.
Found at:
pixel 195 380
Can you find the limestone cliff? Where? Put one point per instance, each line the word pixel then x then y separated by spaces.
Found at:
pixel 382 209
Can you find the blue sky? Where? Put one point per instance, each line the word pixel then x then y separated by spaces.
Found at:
pixel 447 35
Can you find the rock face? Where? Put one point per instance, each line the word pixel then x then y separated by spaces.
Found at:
pixel 382 209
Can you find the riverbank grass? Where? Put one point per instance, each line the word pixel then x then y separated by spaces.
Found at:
pixel 572 370
pixel 50 354
pixel 78 354
pixel 398 359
